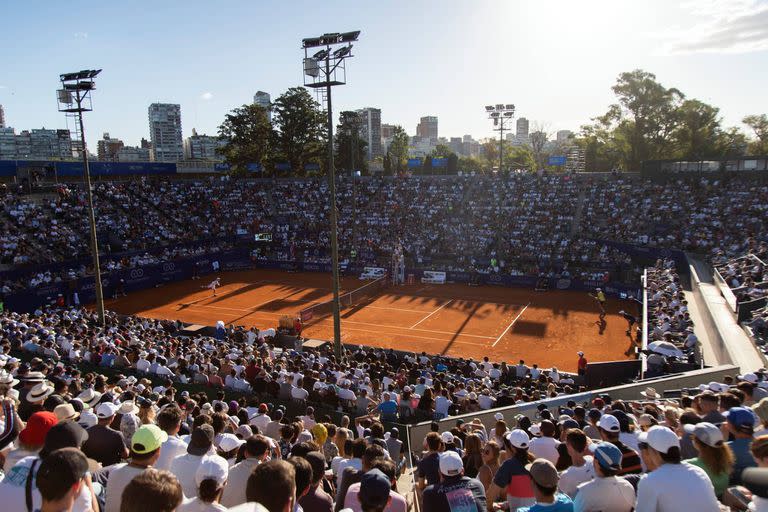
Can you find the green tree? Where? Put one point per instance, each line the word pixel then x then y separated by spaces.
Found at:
pixel 470 164
pixel 538 139
pixel 453 163
pixel 248 136
pixel 350 147
pixel 732 142
pixel 698 130
pixel 759 125
pixel 387 164
pixel 426 166
pixel 299 135
pixel 398 149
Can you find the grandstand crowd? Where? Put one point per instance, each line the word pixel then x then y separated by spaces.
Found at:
pixel 135 416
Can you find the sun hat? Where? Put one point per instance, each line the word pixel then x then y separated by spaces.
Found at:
pixel 39 392
pixel 90 397
pixel 659 438
pixel 650 393
pixel 607 455
pixel 8 379
pixel 705 432
pixel 37 428
pixel 128 407
pixel 66 412
pixel 147 438
pixel 518 438
pixel 450 463
pixel 761 410
pixel 212 468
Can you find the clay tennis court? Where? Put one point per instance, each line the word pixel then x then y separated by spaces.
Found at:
pixel 505 324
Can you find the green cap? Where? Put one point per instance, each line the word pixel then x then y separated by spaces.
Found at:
pixel 148 438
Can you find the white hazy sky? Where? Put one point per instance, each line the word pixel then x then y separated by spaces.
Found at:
pixel 554 59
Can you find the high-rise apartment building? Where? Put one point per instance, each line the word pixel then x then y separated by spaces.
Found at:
pixel 263 100
pixel 203 147
pixel 564 135
pixel 107 148
pixel 7 144
pixel 427 127
pixel 370 130
pixel 522 128
pixel 2 117
pixel 133 154
pixel 165 132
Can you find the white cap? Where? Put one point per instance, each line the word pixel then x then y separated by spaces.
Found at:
pixel 230 442
pixel 87 419
pixel 498 416
pixel 609 423
pixel 518 438
pixel 749 377
pixel 579 353
pixel 447 437
pixel 450 463
pixel 106 410
pixel 214 468
pixel 705 432
pixel 659 438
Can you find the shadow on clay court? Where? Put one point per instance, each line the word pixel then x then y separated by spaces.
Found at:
pixel 528 328
pixel 461 328
pixel 243 289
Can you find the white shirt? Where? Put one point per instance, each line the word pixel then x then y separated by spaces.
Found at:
pixel 572 477
pixel 13 489
pixel 676 487
pixel 184 468
pixel 545 448
pixel 610 494
pixel 119 477
pixel 234 491
pixel 261 421
pixel 441 405
pixel 172 448
pixel 347 463
pixel 197 505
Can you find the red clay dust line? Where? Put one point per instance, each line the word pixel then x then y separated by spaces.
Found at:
pixel 511 324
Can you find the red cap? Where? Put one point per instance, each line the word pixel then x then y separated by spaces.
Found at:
pixel 37 428
pixel 598 402
pixel 263 408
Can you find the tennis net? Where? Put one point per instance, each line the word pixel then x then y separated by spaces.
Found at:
pixel 346 300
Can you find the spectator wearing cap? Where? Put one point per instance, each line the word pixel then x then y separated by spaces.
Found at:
pixel 351 476
pixel 740 424
pixel 671 485
pixel 374 491
pixel 607 492
pixel 610 429
pixel 761 411
pixel 397 501
pixel 31 438
pixel 545 481
pixel 185 466
pixel 13 493
pixel 145 450
pixel 105 444
pixel 453 484
pixel 256 452
pixel 428 468
pixel 545 447
pixel 581 469
pixel 260 419
pixel 512 477
pixel 707 405
pixel 714 456
pixel 61 476
pixel 210 477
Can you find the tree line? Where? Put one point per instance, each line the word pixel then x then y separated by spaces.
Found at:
pixel 648 121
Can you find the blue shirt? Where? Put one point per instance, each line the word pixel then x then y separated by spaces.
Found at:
pixel 389 407
pixel 743 459
pixel 562 504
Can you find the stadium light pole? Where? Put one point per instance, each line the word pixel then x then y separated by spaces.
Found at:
pixel 500 113
pixel 323 70
pixel 74 98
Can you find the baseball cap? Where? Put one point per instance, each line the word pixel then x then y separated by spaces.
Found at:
pixel 498 416
pixel 37 428
pixel 106 410
pixel 659 438
pixel 212 468
pixel 609 423
pixel 607 455
pixel 148 438
pixel 229 442
pixel 742 418
pixel 705 432
pixel 518 438
pixel 65 434
pixel 87 419
pixel 543 472
pixel 201 440
pixel 450 463
pixel 447 437
pixel 594 414
pixel 749 377
pixel 374 488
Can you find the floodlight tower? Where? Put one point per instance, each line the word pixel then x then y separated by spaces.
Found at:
pixel 74 98
pixel 500 113
pixel 324 69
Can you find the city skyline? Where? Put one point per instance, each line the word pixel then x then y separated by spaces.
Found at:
pixel 428 71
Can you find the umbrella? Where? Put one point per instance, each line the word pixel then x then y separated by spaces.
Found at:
pixel 665 348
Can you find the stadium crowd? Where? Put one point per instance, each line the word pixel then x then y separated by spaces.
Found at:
pixel 140 440
pixel 747 276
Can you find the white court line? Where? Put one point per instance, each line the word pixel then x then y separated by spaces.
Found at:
pixel 443 340
pixel 394 309
pixel 510 325
pixel 432 313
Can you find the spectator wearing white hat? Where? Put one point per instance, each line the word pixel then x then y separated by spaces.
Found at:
pixel 104 444
pixel 211 478
pixel 438 497
pixel 671 485
pixel 256 452
pixel 607 492
pixel 610 429
pixel 512 477
pixel 715 457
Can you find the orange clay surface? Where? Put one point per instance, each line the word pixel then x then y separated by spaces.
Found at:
pixel 505 324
